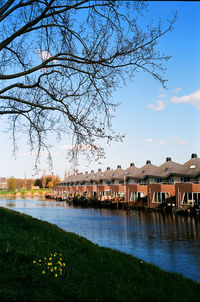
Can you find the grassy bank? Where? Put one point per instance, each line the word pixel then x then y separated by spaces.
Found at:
pixel 25 192
pixel 82 271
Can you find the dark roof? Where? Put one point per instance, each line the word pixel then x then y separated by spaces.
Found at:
pixel 192 167
pixel 106 175
pixel 146 170
pixel 131 171
pixel 118 174
pixel 170 168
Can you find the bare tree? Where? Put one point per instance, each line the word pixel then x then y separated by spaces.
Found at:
pixel 44 179
pixel 61 62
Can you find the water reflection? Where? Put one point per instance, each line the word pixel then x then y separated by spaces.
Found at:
pixel 169 241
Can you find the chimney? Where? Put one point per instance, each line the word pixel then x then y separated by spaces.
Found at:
pixel 108 168
pixel 132 164
pixel 119 167
pixel 168 159
pixel 193 155
pixel 99 170
pixel 148 162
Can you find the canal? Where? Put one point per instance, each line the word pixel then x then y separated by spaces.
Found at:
pixel 170 241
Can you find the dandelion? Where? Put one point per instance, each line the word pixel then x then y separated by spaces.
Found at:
pixel 50 264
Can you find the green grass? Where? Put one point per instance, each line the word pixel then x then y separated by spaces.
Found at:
pixel 25 191
pixel 92 273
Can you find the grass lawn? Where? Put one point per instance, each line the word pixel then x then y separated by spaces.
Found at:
pixel 82 271
pixel 25 191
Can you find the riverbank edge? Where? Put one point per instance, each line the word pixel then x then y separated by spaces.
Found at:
pixel 26 193
pixel 93 273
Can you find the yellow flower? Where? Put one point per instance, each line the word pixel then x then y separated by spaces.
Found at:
pixel 63 264
pixel 60 259
pixel 55 268
pixel 39 260
pixel 51 269
pixel 50 263
pixel 60 273
pixel 43 272
pixel 60 254
pixel 45 258
pixel 56 275
pixel 34 261
pixel 50 258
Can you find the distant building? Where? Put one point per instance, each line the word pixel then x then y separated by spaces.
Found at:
pixel 149 186
pixel 3 183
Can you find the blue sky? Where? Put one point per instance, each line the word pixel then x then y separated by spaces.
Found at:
pixel 157 122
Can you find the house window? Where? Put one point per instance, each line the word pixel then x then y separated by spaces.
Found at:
pixel 184 179
pixel 108 182
pixel 158 180
pixel 121 182
pixel 171 180
pixel 160 197
pixel 191 198
pixel 136 195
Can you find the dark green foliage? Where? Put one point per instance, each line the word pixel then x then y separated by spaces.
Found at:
pixel 92 273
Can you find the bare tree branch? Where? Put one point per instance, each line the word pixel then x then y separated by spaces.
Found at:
pixel 62 60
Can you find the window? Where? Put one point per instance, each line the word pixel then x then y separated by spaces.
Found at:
pixel 142 171
pixel 107 182
pixel 158 180
pixel 136 195
pixel 184 179
pixel 160 197
pixel 192 166
pixel 171 180
pixel 166 169
pixel 191 198
pixel 121 182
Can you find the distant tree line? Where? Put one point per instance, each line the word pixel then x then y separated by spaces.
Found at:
pixel 46 181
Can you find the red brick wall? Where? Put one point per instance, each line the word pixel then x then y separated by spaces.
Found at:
pixel 182 188
pixel 135 188
pixel 165 188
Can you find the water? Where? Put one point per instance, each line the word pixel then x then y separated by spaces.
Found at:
pixel 169 241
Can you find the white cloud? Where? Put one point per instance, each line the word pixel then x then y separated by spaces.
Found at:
pixel 163 95
pixel 177 89
pixel 44 55
pixel 193 99
pixel 179 141
pixel 162 142
pixel 148 140
pixel 35 153
pixel 160 106
pixel 65 147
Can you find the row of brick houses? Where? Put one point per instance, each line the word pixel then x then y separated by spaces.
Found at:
pixel 149 186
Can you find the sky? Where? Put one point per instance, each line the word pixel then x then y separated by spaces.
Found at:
pixel 157 122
